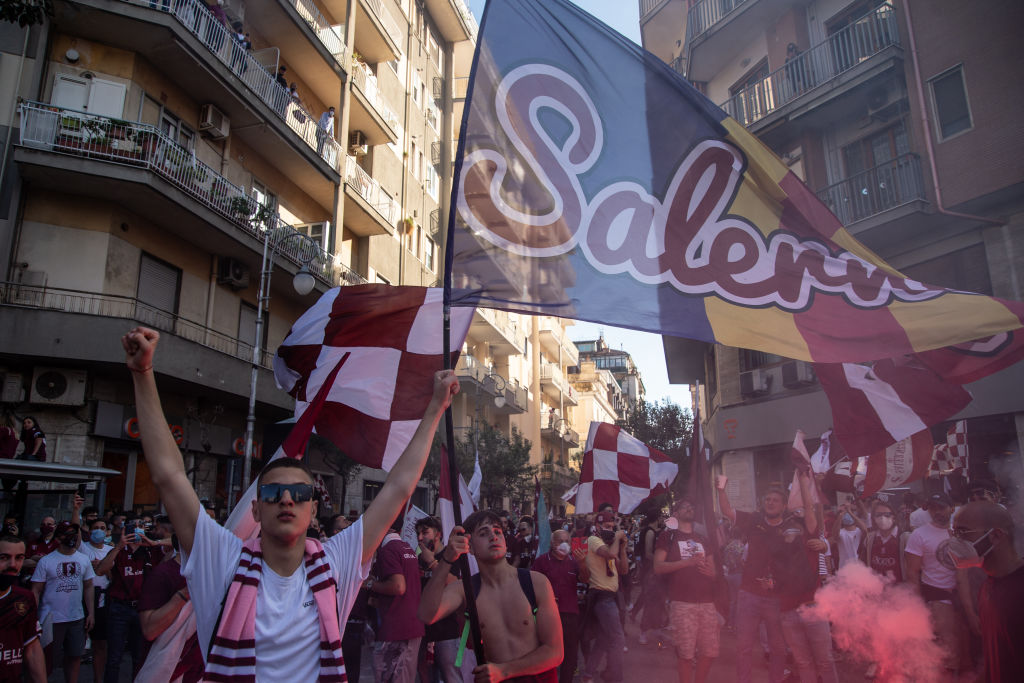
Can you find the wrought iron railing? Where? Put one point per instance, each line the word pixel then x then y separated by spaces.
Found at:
pixel 366 81
pixel 823 62
pixel 68 131
pixel 127 308
pixel 388 21
pixel 200 22
pixel 330 36
pixel 370 190
pixel 499 320
pixel 878 189
pixel 706 14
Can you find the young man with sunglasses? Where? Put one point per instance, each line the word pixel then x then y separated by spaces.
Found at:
pixel 271 609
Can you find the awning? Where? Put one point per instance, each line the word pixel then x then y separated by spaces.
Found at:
pixel 32 470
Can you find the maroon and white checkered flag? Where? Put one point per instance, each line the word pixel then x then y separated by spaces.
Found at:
pixel 620 469
pixel 394 336
pixel 320 487
pixel 956 439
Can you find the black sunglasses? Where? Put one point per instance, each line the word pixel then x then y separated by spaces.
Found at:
pixel 300 493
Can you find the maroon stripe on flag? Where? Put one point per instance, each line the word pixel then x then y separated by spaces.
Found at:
pixel 607 437
pixel 414 385
pixel 606 491
pixel 855 422
pixel 802 211
pixel 358 435
pixel 835 332
pixel 587 469
pixel 373 316
pixel 634 470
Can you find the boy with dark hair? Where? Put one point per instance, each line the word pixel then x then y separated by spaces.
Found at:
pixel 444 634
pixel 286 595
pixel 517 645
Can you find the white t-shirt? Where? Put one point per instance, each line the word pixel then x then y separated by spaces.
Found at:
pixel 287 621
pixel 849 543
pixel 65 577
pixel 922 542
pixel 100 583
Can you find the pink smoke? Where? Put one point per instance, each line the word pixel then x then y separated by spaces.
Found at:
pixel 878 621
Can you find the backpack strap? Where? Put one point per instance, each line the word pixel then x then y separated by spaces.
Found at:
pixel 526 583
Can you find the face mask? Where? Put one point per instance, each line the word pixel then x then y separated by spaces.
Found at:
pixel 884 523
pixel 7 580
pixel 847 520
pixel 47 529
pixel 983 546
pixel 97 536
pixel 69 541
pixel 563 548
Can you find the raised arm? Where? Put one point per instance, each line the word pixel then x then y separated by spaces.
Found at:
pixel 723 498
pixel 166 467
pixel 402 478
pixel 440 598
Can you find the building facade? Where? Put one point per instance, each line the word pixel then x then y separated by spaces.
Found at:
pixel 620 365
pixel 154 149
pixel 898 115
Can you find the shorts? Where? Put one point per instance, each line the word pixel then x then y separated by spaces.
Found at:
pixel 68 639
pixel 696 629
pixel 99 627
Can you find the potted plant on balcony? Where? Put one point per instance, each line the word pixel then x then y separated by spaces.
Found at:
pixel 146 141
pixel 407 224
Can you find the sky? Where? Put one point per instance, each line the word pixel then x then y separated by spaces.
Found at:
pixel 645 348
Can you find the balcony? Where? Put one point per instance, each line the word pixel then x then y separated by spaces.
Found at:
pixel 553 426
pixel 106 157
pixel 369 210
pixel 378 35
pixel 864 196
pixel 483 379
pixel 453 19
pixel 556 343
pixel 716 30
pixel 371 114
pixel 310 45
pixel 860 51
pixel 498 331
pixel 552 382
pixel 190 46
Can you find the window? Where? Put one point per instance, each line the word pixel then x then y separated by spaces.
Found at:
pixel 318 231
pixel 433 183
pixel 751 360
pixel 172 127
pixel 430 255
pixel 158 288
pixel 417 90
pixel 263 196
pixel 949 94
pixel 413 156
pixel 370 491
pixel 752 95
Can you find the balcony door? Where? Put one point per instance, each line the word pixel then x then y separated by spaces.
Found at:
pixel 877 169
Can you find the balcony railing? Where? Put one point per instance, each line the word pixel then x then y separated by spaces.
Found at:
pixel 843 50
pixel 390 25
pixel 366 81
pixel 200 22
pixel 330 36
pixel 110 140
pixel 706 14
pixel 649 6
pixel 370 190
pixel 878 189
pixel 500 321
pixel 126 308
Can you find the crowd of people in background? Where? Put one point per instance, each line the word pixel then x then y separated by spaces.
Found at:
pixel 103 586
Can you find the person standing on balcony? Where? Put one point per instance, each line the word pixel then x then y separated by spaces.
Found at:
pixel 240 49
pixel 795 70
pixel 326 129
pixel 281 96
pixel 34 440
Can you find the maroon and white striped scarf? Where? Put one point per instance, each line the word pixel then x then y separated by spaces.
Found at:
pixel 233 650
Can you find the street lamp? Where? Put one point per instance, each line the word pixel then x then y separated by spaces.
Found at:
pixel 305 250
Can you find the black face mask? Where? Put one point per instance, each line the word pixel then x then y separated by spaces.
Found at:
pixel 7 580
pixel 69 541
pixel 608 536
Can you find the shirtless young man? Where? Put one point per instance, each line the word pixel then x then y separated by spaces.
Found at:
pixel 288 625
pixel 519 646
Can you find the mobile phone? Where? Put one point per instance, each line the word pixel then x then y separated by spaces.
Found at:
pixel 81 490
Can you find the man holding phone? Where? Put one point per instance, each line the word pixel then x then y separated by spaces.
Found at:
pixel 126 566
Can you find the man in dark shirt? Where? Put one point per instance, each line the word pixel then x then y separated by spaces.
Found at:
pixel 524 545
pixel 565 568
pixel 444 634
pixel 20 649
pixel 682 556
pixel 127 565
pixel 989 528
pixel 395 582
pixel 757 601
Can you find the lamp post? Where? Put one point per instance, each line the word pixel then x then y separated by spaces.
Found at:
pixel 558 425
pixel 307 250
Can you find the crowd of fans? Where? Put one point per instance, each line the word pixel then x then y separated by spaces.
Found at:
pixel 105 586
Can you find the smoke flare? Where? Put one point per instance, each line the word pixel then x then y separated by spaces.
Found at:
pixel 876 620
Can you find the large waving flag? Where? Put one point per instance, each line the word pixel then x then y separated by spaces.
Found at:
pixel 620 469
pixel 394 336
pixel 593 182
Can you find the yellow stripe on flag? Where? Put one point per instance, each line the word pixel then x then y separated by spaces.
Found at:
pixel 930 324
pixel 848 242
pixel 766 329
pixel 761 160
pixel 758 208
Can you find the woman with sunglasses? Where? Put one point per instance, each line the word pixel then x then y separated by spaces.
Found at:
pixel 275 604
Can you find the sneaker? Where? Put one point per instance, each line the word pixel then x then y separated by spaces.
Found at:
pixel 642 639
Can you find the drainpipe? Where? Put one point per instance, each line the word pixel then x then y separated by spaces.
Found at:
pixel 926 125
pixel 14 106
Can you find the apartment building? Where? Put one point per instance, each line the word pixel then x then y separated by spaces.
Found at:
pixel 901 116
pixel 620 364
pixel 154 157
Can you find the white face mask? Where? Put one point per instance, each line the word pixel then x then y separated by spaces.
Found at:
pixel 563 549
pixel 884 523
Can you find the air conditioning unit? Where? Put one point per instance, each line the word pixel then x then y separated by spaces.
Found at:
pixel 58 387
pixel 214 122
pixel 797 374
pixel 13 390
pixel 357 143
pixel 233 273
pixel 755 382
